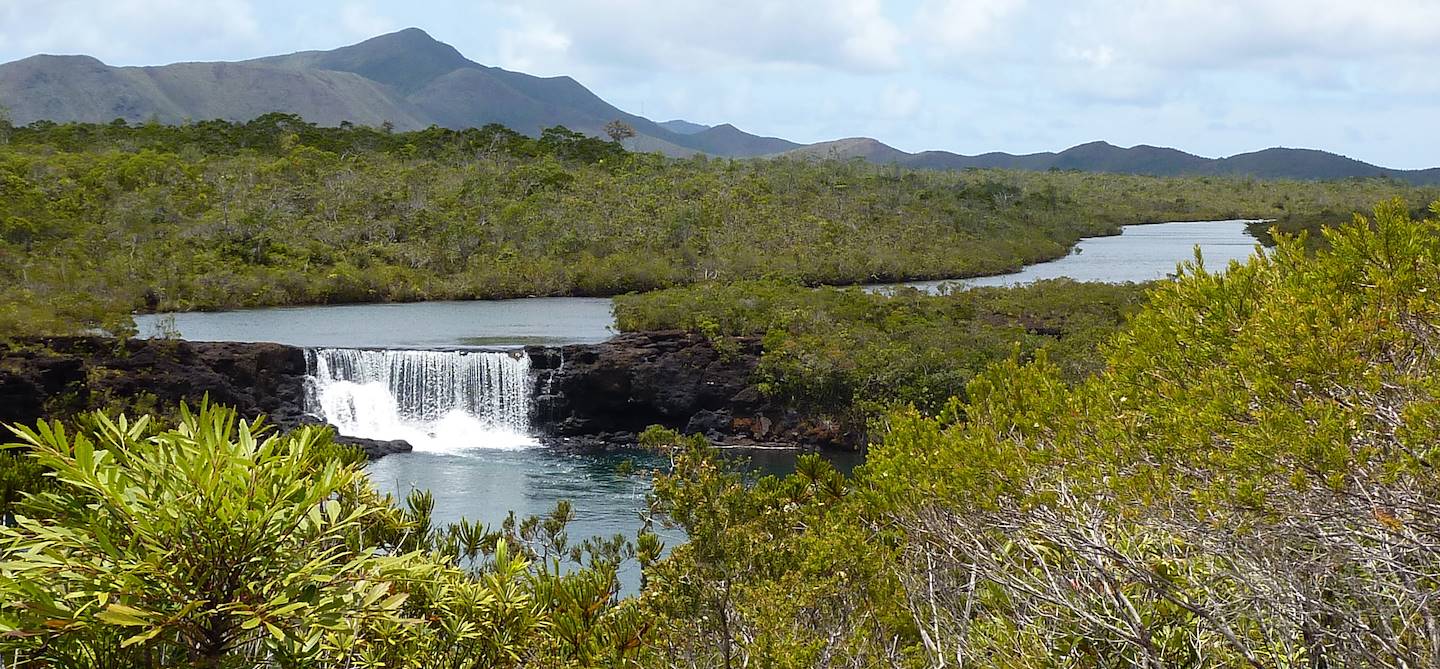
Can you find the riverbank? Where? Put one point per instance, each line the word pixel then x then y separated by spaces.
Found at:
pixel 585 396
pixel 605 394
pixel 60 376
pixel 147 317
pixel 286 224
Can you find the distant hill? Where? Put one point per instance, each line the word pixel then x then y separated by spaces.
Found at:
pixel 80 88
pixel 853 147
pixel 1275 163
pixel 407 78
pixel 683 127
pixel 728 140
pixel 413 81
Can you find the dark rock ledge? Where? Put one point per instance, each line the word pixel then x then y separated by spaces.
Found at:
pixel 586 396
pixel 65 375
pixel 62 375
pixel 589 395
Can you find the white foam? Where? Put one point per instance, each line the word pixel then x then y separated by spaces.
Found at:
pixel 440 402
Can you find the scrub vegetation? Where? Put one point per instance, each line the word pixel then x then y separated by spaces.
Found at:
pixel 1246 480
pixel 850 355
pixel 1229 469
pixel 100 220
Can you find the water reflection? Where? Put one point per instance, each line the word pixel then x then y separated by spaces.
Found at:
pixel 536 320
pixel 486 485
pixel 1139 253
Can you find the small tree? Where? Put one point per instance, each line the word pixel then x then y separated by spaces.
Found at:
pixel 5 125
pixel 619 131
pixel 213 544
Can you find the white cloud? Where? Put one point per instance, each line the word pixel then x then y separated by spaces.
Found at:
pixel 1148 52
pixel 853 35
pixel 535 49
pixel 959 27
pixel 361 21
pixel 131 31
pixel 1210 76
pixel 899 102
pixel 1100 56
pixel 1229 33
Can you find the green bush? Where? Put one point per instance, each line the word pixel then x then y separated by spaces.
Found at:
pixel 1248 482
pixel 213 543
pixel 854 354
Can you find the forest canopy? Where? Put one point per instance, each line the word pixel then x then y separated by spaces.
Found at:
pixel 850 355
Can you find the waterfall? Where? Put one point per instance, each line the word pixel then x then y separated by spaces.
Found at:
pixel 439 401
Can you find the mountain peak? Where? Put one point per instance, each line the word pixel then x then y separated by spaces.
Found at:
pixel 1095 145
pixel 409 38
pixel 401 42
pixel 412 33
pixel 63 60
pixel 868 148
pixel 405 60
pixel 413 80
pixel 684 127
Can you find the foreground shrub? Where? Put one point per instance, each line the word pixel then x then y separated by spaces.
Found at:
pixel 216 543
pixel 1250 482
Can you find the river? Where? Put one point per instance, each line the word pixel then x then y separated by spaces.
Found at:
pixel 1138 253
pixel 464 412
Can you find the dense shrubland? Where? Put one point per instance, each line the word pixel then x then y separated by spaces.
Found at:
pixel 1247 481
pixel 97 220
pixel 850 355
pixel 1229 470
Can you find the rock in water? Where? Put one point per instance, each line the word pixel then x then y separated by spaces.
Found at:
pixel 376 448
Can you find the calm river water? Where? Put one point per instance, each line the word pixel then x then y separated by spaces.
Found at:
pixel 1139 253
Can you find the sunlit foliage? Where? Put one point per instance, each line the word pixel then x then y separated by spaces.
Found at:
pixel 1249 482
pixel 216 543
pixel 851 355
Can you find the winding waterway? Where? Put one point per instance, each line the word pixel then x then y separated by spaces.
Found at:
pixel 1138 253
pixel 464 408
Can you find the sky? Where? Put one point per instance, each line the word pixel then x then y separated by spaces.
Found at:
pixel 1212 77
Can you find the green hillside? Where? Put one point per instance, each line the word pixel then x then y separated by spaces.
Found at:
pixel 103 219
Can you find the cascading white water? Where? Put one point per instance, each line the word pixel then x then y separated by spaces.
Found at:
pixel 439 401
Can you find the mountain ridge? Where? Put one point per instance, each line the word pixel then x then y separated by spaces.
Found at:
pixel 406 78
pixel 1101 156
pixel 411 80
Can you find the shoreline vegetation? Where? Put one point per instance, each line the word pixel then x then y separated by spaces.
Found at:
pixel 101 220
pixel 849 357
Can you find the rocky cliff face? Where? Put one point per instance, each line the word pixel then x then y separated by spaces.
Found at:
pixel 50 378
pixel 585 395
pixel 65 375
pixel 609 392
